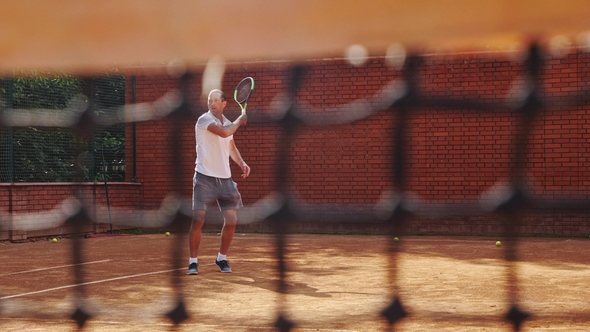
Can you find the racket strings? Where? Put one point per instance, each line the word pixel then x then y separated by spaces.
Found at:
pixel 244 89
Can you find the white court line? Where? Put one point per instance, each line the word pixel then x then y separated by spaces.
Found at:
pixel 194 325
pixel 54 267
pixel 87 283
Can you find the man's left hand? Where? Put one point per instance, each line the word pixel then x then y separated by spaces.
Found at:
pixel 245 170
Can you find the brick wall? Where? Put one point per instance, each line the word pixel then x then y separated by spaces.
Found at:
pixel 47 199
pixel 455 154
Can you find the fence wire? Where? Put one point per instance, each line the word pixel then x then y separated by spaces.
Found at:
pixel 38 139
pixel 397 207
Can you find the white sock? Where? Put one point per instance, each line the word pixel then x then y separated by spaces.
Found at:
pixel 193 260
pixel 221 257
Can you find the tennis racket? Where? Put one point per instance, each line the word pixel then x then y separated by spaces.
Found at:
pixel 243 92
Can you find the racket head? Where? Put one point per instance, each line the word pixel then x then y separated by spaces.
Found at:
pixel 244 90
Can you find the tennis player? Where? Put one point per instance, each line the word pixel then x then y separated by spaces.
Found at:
pixel 212 181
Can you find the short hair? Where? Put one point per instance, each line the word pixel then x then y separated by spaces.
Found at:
pixel 219 91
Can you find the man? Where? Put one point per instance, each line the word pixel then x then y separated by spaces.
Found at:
pixel 212 181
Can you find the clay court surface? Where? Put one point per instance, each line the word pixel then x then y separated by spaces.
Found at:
pixel 336 283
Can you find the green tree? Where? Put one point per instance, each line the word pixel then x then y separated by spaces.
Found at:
pixel 46 154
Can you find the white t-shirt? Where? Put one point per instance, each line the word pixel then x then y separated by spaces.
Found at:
pixel 212 150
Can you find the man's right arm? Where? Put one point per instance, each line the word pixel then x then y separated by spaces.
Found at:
pixel 228 130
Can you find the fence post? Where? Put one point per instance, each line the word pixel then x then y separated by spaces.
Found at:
pixel 9 85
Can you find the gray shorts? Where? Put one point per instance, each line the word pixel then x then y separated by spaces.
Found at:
pixel 207 190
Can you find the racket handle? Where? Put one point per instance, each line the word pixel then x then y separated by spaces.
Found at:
pixel 244 113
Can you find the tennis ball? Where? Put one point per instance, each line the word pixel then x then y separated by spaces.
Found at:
pixel 395 239
pixel 167 233
pixel 54 240
pixel 498 243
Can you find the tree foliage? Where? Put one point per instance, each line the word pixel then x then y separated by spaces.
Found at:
pixel 34 154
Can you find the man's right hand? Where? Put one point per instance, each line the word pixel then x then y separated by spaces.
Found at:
pixel 243 119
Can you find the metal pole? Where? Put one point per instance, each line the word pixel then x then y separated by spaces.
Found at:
pixel 134 101
pixel 9 84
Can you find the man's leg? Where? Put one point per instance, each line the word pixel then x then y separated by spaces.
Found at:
pixel 194 235
pixel 194 239
pixel 230 218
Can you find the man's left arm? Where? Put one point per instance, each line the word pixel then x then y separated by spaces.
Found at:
pixel 234 153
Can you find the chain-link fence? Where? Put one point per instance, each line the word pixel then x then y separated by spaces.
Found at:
pixel 32 149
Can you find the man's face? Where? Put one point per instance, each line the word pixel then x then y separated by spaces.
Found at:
pixel 215 102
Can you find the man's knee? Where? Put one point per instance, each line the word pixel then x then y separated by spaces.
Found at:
pixel 230 218
pixel 198 220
